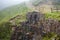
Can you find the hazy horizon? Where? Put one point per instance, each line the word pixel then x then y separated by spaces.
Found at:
pixel 7 3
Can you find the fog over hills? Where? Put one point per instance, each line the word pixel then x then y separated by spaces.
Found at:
pixel 7 3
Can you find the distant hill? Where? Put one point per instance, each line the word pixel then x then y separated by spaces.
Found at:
pixel 56 2
pixel 10 12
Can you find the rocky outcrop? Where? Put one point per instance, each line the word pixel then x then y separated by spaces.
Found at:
pixel 35 27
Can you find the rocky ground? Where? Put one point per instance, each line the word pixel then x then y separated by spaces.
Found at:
pixel 36 27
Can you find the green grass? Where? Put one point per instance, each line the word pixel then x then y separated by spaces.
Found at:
pixel 49 36
pixel 6 15
pixel 54 15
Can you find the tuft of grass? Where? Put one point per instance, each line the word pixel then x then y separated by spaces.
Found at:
pixel 54 15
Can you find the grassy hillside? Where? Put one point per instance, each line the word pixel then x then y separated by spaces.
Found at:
pixel 12 11
pixel 54 15
pixel 7 14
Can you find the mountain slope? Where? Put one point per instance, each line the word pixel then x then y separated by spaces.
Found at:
pixel 10 12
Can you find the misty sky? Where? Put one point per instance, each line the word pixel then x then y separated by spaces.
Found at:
pixel 6 3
